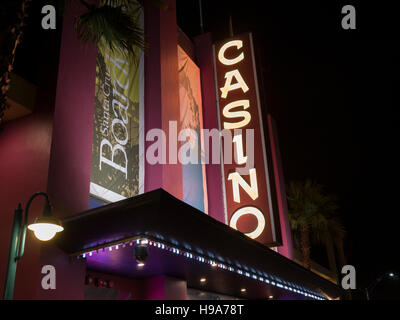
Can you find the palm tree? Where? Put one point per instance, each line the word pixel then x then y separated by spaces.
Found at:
pixel 114 22
pixel 314 219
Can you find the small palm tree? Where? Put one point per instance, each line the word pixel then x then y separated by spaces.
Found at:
pixel 113 22
pixel 314 220
pixel 116 22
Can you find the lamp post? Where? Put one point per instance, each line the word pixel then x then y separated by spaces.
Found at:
pixel 371 287
pixel 44 228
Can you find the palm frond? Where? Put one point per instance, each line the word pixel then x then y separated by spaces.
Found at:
pixel 309 204
pixel 157 3
pixel 117 26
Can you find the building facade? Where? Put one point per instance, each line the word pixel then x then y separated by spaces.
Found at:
pixel 107 145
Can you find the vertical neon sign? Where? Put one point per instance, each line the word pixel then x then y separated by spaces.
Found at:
pixel 248 204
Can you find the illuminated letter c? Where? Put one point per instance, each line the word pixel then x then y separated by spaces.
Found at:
pixel 221 54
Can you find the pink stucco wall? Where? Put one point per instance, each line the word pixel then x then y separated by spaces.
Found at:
pixel 24 159
pixel 162 91
pixel 204 55
pixel 71 150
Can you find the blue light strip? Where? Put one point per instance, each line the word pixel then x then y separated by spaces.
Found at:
pixel 189 255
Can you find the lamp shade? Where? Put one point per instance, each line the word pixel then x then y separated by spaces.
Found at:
pixel 45 228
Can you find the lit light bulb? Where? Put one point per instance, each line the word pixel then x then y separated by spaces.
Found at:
pixel 45 231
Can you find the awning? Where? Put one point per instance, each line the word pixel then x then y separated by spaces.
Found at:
pixel 188 244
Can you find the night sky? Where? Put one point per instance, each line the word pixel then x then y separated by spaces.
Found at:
pixel 330 91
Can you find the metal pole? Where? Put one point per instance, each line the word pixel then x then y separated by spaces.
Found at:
pixel 17 245
pixel 201 17
pixel 230 26
pixel 13 254
pixel 372 286
pixel 367 293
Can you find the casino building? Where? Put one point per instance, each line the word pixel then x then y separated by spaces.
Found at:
pixel 108 140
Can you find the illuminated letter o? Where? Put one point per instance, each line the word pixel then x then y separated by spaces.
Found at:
pixel 253 211
pixel 221 54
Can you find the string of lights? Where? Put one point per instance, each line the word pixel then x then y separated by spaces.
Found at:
pixel 266 278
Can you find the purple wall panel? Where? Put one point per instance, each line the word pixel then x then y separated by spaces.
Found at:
pixel 71 150
pixel 152 91
pixel 24 160
pixel 162 91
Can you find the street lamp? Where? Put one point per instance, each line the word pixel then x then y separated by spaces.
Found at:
pixel 371 287
pixel 44 228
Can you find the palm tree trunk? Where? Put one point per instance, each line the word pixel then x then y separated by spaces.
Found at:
pixel 340 251
pixel 305 245
pixel 331 257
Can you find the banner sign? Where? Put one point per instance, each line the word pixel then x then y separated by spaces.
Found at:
pixel 117 170
pixel 248 206
pixel 191 117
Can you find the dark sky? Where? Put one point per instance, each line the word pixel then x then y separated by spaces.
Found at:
pixel 330 91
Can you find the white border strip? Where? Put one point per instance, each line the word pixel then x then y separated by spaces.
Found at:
pixel 142 150
pixel 104 193
pixel 220 138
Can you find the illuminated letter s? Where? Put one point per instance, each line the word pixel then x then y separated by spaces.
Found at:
pixel 236 114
